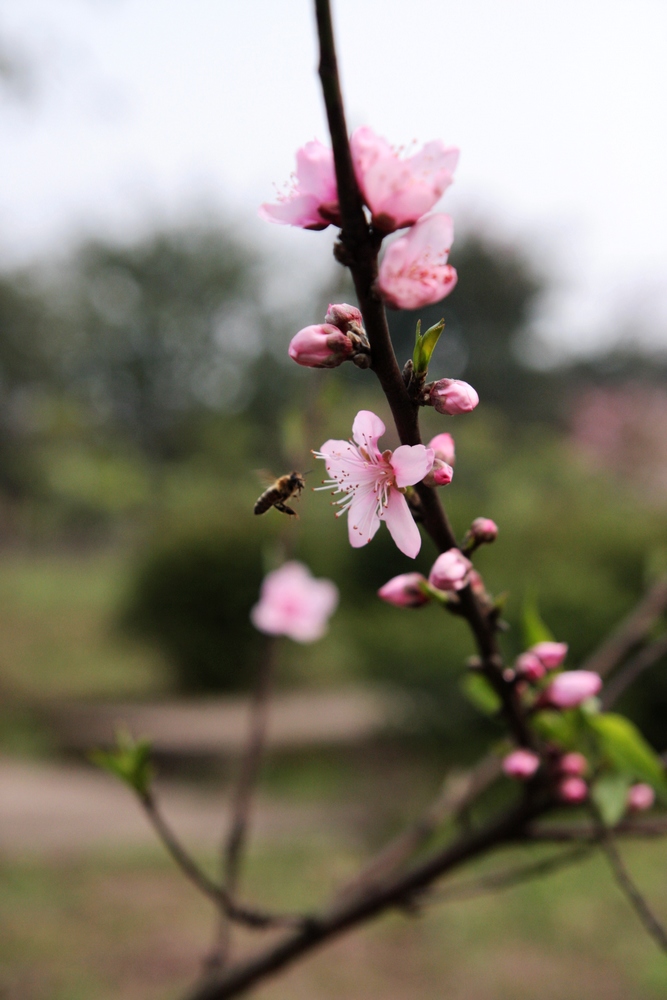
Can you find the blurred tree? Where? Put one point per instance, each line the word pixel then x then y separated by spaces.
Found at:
pixel 155 332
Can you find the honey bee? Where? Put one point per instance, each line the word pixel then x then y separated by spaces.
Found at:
pixel 277 495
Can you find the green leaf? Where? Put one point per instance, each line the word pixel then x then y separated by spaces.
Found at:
pixel 558 727
pixel 627 751
pixel 533 628
pixel 129 761
pixel 425 345
pixel 479 693
pixel 610 795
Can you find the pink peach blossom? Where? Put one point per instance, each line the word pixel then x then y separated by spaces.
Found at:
pixel 375 482
pixel 320 346
pixel 572 790
pixel 551 654
pixel 399 191
pixel 405 591
pixel 294 603
pixel 443 446
pixel 451 396
pixel 450 571
pixel 521 764
pixel 573 764
pixel 640 797
pixel 312 201
pixel 569 689
pixel 414 271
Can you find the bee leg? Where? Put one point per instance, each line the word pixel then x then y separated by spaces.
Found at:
pixel 285 509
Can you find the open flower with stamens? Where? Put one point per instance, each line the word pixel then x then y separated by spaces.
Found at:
pixel 375 482
pixel 312 200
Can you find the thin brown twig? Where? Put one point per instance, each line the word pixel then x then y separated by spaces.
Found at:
pixel 568 832
pixel 628 887
pixel 510 877
pixel 633 669
pixel 235 841
pixel 631 631
pixel 246 915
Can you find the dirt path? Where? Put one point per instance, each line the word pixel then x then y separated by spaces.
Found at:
pixel 65 808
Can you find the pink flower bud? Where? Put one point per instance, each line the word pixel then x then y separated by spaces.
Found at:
pixel 521 764
pixel 450 571
pixel 530 666
pixel 569 689
pixel 404 591
pixel 572 790
pixel 640 797
pixel 345 317
pixel 484 530
pixel 551 654
pixel 450 395
pixel 443 446
pixel 321 346
pixel 440 475
pixel 573 764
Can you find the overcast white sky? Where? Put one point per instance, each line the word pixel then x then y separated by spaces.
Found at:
pixel 146 109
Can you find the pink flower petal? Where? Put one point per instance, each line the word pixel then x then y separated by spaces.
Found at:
pixel 414 271
pixel 411 463
pixel 401 524
pixel 366 430
pixel 294 604
pixel 362 518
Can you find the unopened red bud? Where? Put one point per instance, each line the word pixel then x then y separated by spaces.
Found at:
pixel 572 790
pixel 450 571
pixel 451 395
pixel 521 764
pixel 405 591
pixel 530 666
pixel 551 654
pixel 484 530
pixel 443 446
pixel 345 317
pixel 573 764
pixel 569 689
pixel 440 475
pixel 320 346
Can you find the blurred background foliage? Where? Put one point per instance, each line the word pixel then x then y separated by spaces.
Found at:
pixel 142 386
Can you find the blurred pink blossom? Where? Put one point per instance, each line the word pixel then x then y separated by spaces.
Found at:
pixel 320 346
pixel 312 201
pixel 451 396
pixel 404 591
pixel 375 482
pixel 530 666
pixel 640 797
pixel 450 571
pixel 293 603
pixel 443 446
pixel 521 764
pixel 573 764
pixel 572 790
pixel 551 654
pixel 569 689
pixel 398 190
pixel 414 271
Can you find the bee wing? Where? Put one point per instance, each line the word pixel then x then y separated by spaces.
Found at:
pixel 264 477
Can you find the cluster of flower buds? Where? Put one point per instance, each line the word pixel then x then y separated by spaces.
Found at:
pixel 340 338
pixel 450 573
pixel 536 661
pixel 571 786
pixel 399 191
